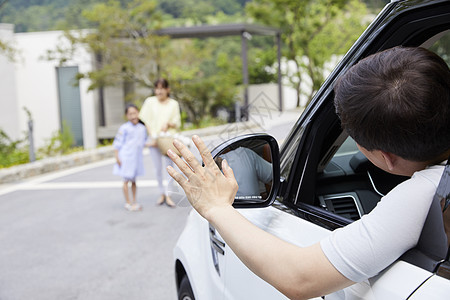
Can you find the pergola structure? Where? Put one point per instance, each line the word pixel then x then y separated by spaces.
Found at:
pixel 245 31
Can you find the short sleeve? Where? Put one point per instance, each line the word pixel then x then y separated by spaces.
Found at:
pixel 263 169
pixel 366 247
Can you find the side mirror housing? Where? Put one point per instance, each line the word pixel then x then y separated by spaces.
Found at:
pixel 255 160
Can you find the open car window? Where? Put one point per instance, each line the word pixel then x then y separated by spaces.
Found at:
pixel 350 185
pixel 440 44
pixel 347 183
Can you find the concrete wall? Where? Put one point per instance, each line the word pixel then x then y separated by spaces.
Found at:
pixel 9 112
pixel 265 96
pixel 37 85
pixel 31 82
pixel 114 106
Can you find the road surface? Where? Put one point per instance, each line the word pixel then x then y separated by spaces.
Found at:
pixel 66 235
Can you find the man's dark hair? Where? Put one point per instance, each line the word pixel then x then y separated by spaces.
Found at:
pixel 397 101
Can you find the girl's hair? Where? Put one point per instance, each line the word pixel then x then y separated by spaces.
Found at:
pixel 128 106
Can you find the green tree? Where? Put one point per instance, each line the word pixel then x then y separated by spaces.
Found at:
pixel 12 152
pixel 203 77
pixel 203 74
pixel 312 32
pixel 7 50
pixel 126 48
pixel 33 15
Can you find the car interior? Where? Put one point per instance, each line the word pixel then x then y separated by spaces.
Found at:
pixel 347 183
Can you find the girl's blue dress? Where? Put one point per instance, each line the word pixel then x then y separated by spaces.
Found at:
pixel 130 141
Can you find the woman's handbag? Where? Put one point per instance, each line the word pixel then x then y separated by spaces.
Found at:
pixel 165 143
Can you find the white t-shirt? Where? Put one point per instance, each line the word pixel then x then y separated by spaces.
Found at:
pixel 364 248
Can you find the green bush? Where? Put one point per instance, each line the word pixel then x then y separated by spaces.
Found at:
pixel 12 152
pixel 61 142
pixel 204 122
pixel 17 152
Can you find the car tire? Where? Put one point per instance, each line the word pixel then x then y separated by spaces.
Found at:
pixel 185 290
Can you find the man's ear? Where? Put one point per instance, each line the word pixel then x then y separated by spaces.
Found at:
pixel 390 160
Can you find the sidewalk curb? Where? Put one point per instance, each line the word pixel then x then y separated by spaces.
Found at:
pixel 51 164
pixel 46 165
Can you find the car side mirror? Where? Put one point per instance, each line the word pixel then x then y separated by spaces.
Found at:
pixel 255 161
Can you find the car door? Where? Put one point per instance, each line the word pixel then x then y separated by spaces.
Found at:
pixel 327 184
pixel 438 285
pixel 341 182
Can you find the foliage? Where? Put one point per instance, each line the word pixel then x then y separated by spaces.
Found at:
pixel 206 75
pixel 127 51
pixel 441 46
pixel 203 77
pixel 12 152
pixel 260 64
pixel 61 142
pixel 199 11
pixel 5 47
pixel 40 15
pixel 17 152
pixel 376 5
pixel 31 16
pixel 312 31
pixel 8 50
pixel 205 122
pixel 203 74
pixel 105 142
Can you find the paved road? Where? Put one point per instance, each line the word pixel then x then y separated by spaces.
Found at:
pixel 66 235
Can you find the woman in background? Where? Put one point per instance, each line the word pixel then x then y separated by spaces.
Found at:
pixel 161 114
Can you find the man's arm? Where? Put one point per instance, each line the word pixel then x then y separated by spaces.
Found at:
pixel 298 273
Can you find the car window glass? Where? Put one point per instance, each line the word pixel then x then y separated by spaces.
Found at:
pixel 348 147
pixel 286 165
pixel 440 44
pixel 339 186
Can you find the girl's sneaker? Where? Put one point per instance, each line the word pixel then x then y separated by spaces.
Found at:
pixel 128 206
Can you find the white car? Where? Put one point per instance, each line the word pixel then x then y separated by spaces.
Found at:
pixel 321 182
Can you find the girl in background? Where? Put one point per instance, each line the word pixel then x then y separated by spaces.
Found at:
pixel 128 144
pixel 161 114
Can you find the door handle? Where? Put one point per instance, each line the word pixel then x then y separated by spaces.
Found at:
pixel 216 243
pixel 217 246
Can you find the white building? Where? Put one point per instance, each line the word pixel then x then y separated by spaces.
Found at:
pixel 51 93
